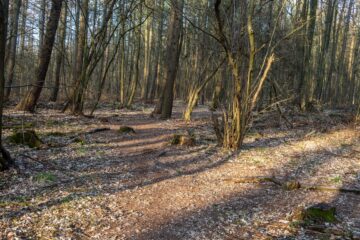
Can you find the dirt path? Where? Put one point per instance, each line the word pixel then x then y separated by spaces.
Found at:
pixel 136 186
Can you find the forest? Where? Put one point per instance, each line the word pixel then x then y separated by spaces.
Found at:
pixel 180 119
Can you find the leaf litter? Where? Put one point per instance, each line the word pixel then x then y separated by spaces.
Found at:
pixel 136 185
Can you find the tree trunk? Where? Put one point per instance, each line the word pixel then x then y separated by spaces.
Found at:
pixel 173 51
pixel 342 76
pixel 42 23
pixel 12 48
pixel 135 81
pixel 147 63
pixel 22 43
pixel 60 55
pixel 5 159
pixel 304 81
pixel 29 101
pixel 320 76
pixel 197 88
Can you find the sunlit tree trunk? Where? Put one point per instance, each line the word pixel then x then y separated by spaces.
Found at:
pixel 22 43
pixel 135 81
pixel 342 76
pixel 29 101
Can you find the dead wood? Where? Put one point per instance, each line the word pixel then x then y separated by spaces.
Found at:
pixel 292 185
pixel 96 130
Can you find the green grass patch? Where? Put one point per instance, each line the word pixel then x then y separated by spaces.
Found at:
pixel 336 179
pixel 45 177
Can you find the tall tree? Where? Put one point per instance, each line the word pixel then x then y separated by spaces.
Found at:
pixel 342 76
pixel 60 55
pixel 173 51
pixel 309 19
pixel 28 103
pixel 329 19
pixel 5 159
pixel 14 23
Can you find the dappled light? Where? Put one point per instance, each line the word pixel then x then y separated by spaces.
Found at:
pixel 138 185
pixel 180 119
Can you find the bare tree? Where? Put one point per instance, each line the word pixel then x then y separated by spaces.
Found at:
pixel 29 101
pixel 12 46
pixel 60 55
pixel 5 159
pixel 173 51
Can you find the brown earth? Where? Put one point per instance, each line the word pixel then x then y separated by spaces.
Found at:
pixel 109 185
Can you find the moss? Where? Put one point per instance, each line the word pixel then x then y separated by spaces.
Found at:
pixel 292 185
pixel 44 177
pixel 320 212
pixel 336 179
pixel 175 140
pixel 67 199
pixel 182 140
pixel 27 137
pixel 79 140
pixel 126 129
pixel 317 213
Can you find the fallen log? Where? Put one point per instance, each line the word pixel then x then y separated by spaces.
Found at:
pixel 292 185
pixel 96 130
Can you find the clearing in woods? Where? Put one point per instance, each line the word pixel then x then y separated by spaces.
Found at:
pixel 83 184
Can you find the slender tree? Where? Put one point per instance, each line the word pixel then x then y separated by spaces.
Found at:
pixel 173 51
pixel 60 55
pixel 28 103
pixel 12 46
pixel 5 159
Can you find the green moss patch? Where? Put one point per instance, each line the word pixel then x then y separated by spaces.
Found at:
pixel 183 140
pixel 45 177
pixel 318 213
pixel 126 129
pixel 26 137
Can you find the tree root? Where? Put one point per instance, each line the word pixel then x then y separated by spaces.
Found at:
pixel 5 159
pixel 292 185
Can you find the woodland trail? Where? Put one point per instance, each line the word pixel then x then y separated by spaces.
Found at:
pixel 108 185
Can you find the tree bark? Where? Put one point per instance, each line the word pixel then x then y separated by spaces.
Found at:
pixel 173 51
pixel 60 55
pixel 12 48
pixel 29 101
pixel 5 159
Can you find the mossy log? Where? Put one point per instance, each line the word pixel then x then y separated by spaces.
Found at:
pixel 126 129
pixel 318 213
pixel 183 140
pixel 26 137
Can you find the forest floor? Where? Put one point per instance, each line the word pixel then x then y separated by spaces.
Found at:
pixel 110 185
